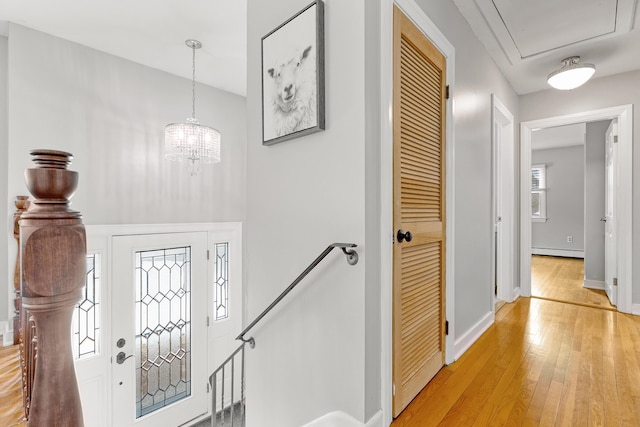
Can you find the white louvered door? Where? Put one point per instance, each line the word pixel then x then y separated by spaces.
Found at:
pixel 419 209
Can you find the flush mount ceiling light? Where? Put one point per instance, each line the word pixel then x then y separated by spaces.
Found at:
pixel 571 75
pixel 192 142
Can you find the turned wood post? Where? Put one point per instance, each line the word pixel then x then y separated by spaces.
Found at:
pixel 22 203
pixel 53 263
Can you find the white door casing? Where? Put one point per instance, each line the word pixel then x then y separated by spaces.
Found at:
pixel 612 176
pixel 503 226
pixel 624 116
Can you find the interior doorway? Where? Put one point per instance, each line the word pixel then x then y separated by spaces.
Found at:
pixel 504 232
pixel 419 215
pixel 568 213
pixel 437 38
pixel 622 217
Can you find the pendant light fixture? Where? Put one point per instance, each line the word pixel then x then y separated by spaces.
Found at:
pixel 192 142
pixel 571 75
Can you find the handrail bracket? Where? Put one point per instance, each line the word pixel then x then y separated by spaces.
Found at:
pixel 352 256
pixel 250 341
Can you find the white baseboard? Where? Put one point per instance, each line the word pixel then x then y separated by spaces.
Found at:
pixel 567 253
pixel 635 309
pixel 515 294
pixel 336 418
pixel 594 284
pixel 376 420
pixel 465 341
pixel 612 293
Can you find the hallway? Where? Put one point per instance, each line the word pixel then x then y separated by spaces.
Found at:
pixel 542 363
pixel 561 279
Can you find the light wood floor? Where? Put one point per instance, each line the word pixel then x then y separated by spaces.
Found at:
pixel 11 411
pixel 561 279
pixel 543 363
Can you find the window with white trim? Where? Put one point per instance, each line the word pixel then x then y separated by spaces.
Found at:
pixel 221 283
pixel 538 193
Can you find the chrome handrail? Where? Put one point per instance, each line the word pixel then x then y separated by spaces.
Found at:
pixel 352 259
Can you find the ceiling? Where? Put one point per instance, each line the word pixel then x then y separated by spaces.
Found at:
pixel 529 39
pixel 149 32
pixel 559 136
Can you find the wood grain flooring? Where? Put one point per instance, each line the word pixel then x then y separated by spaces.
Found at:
pixel 543 363
pixel 561 279
pixel 11 411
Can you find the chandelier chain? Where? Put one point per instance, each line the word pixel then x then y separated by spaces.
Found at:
pixel 193 84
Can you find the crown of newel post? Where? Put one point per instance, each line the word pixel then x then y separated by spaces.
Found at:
pixel 53 260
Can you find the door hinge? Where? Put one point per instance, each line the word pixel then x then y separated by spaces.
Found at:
pixel 207 387
pixel 393 389
pixel 207 254
pixel 446 327
pixel 615 281
pixel 207 320
pixel 447 92
pixel 615 138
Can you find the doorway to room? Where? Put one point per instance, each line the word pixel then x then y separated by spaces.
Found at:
pixel 534 192
pixel 503 206
pixel 568 195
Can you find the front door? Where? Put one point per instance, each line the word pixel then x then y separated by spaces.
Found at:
pixel 159 315
pixel 419 211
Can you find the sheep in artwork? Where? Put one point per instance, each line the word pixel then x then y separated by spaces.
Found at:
pixel 294 92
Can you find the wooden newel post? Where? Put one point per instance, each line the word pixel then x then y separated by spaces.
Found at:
pixel 53 267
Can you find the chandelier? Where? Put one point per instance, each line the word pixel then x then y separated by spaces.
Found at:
pixel 192 142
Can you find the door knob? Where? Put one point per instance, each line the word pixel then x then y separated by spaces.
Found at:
pixel 121 357
pixel 603 219
pixel 404 236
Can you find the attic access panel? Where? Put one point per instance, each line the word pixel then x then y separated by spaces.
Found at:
pixel 543 25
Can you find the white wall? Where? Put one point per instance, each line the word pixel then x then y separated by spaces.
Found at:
pixel 373 287
pixel 110 114
pixel 302 195
pixel 596 94
pixel 308 191
pixel 477 77
pixel 565 199
pixel 594 200
pixel 6 298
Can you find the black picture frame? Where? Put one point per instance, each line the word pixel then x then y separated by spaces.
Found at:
pixel 293 77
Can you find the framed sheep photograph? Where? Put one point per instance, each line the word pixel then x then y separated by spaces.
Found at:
pixel 293 76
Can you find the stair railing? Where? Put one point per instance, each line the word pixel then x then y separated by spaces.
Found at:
pixel 231 409
pixel 230 412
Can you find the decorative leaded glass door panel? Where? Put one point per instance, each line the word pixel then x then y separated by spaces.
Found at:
pixel 159 333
